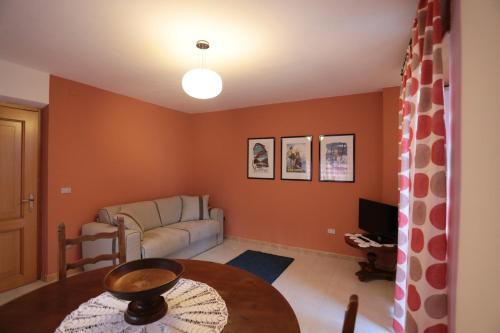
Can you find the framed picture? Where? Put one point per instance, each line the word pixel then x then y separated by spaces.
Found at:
pixel 260 158
pixel 336 158
pixel 296 158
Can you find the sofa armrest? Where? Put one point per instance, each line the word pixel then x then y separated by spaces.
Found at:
pixel 217 214
pixel 105 246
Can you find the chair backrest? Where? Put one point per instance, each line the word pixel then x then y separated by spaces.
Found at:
pixel 64 242
pixel 350 315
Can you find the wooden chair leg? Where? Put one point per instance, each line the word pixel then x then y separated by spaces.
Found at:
pixel 121 240
pixel 350 315
pixel 61 235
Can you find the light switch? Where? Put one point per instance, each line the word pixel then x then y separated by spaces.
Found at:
pixel 66 190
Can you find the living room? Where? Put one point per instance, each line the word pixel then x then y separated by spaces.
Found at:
pixel 112 122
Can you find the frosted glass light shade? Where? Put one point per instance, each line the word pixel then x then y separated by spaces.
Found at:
pixel 202 83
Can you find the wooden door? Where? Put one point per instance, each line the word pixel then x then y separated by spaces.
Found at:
pixel 19 154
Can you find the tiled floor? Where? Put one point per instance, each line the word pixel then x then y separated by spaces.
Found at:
pixel 8 296
pixel 316 286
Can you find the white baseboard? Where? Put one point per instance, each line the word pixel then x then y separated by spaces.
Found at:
pixel 297 249
pixel 54 276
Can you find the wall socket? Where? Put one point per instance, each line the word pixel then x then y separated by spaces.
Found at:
pixel 331 231
pixel 66 190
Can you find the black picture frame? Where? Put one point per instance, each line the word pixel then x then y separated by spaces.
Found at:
pixel 310 147
pixel 273 156
pixel 320 163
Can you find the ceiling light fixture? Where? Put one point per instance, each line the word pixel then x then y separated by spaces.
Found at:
pixel 202 83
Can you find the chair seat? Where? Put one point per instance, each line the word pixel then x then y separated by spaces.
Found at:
pixel 198 230
pixel 160 242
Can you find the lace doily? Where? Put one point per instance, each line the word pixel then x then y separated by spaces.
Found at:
pixel 192 307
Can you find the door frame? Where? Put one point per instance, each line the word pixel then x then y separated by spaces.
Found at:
pixel 38 224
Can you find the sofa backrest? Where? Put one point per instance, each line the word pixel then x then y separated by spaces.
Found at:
pixel 145 213
pixel 170 209
pixel 150 214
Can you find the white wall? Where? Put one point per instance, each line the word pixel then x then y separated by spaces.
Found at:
pixel 477 292
pixel 23 85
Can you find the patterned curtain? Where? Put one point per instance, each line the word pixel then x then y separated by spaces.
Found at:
pixel 421 290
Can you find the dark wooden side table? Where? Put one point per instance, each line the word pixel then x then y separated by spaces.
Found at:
pixel 380 264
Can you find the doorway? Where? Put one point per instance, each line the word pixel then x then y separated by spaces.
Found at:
pixel 19 179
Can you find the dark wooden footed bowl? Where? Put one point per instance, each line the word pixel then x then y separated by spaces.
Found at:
pixel 143 282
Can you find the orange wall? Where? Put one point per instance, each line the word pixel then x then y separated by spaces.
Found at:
pixel 110 149
pixel 296 213
pixel 390 152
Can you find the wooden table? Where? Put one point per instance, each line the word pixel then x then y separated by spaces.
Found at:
pixel 253 304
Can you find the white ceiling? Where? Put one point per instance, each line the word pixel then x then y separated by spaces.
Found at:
pixel 266 51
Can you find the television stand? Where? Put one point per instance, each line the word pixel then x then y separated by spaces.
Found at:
pixel 381 260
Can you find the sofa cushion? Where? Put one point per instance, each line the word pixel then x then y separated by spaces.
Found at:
pixel 170 209
pixel 106 214
pixel 129 222
pixel 197 230
pixel 145 213
pixel 194 208
pixel 161 242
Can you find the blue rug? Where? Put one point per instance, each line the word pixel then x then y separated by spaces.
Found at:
pixel 267 266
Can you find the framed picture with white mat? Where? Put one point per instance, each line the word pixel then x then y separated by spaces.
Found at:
pixel 296 158
pixel 337 158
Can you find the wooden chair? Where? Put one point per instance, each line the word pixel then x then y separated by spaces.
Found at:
pixel 64 242
pixel 350 315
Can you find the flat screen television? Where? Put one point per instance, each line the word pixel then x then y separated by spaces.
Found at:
pixel 379 220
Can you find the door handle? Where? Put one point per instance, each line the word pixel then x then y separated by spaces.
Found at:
pixel 30 201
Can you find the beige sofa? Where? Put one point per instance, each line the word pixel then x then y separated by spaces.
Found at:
pixel 171 227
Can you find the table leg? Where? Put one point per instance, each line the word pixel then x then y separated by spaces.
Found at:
pixel 369 272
